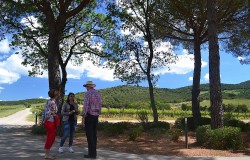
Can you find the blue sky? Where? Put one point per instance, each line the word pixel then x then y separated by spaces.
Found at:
pixel 15 84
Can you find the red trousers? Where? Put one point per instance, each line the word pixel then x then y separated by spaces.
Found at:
pixel 50 134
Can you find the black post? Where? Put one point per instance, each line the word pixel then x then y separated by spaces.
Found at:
pixel 36 119
pixel 186 133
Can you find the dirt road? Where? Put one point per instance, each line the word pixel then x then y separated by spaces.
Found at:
pixel 18 118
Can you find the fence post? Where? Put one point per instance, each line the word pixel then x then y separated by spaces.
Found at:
pixel 186 133
pixel 36 119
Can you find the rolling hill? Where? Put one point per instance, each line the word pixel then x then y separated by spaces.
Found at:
pixel 122 96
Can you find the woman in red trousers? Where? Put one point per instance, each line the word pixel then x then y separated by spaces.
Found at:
pixel 50 121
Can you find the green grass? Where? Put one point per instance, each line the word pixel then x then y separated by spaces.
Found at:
pixel 9 110
pixel 232 91
pixel 229 101
pixel 32 118
pixel 130 114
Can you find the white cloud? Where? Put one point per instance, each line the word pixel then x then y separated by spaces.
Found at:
pixel 206 77
pixel 101 73
pixel 1 88
pixel 91 70
pixel 31 22
pixel 241 58
pixel 190 78
pixel 184 65
pixel 4 45
pixel 11 69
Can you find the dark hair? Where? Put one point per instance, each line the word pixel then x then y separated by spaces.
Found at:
pixel 70 93
pixel 51 93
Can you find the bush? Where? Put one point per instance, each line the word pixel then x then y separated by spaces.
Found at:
pixel 38 129
pixel 174 134
pixel 156 125
pixel 245 127
pixel 226 138
pixel 102 125
pixel 142 116
pixel 134 133
pixel 113 129
pixel 180 123
pixel 201 134
pixel 221 138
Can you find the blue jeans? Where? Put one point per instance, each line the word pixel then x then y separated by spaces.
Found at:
pixel 68 131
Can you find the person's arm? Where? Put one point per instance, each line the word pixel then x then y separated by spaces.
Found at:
pixel 76 109
pixel 85 105
pixel 100 111
pixel 63 111
pixel 85 108
pixel 46 112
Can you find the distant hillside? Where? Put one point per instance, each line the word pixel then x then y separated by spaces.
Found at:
pixel 122 96
pixel 30 101
pixel 229 91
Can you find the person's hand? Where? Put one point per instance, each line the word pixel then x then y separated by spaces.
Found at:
pixel 71 112
pixel 51 114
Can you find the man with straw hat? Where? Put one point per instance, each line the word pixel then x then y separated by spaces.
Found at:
pixel 92 106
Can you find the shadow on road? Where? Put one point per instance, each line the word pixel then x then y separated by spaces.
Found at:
pixel 17 142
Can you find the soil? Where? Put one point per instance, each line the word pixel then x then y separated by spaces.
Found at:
pixel 160 145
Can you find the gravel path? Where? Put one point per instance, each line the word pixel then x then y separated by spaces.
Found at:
pixel 19 118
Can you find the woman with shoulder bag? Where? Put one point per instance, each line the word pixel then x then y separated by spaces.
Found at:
pixel 69 113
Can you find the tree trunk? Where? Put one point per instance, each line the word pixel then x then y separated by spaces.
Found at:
pixel 196 84
pixel 63 84
pixel 214 68
pixel 152 99
pixel 53 64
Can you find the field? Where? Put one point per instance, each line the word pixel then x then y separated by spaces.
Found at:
pixel 8 110
pixel 229 101
pixel 174 113
pixel 131 114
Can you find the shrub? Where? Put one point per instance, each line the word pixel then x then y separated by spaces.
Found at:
pixel 245 127
pixel 156 125
pixel 113 129
pixel 221 138
pixel 174 134
pixel 201 134
pixel 38 129
pixel 155 132
pixel 102 125
pixel 142 116
pixel 225 138
pixel 180 123
pixel 134 133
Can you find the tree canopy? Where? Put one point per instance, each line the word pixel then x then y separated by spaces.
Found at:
pixel 50 34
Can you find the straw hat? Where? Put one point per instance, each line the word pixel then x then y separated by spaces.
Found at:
pixel 89 83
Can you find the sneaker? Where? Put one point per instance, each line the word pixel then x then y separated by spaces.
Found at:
pixel 60 150
pixel 71 150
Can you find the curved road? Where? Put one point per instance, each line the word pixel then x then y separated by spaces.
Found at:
pixel 19 118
